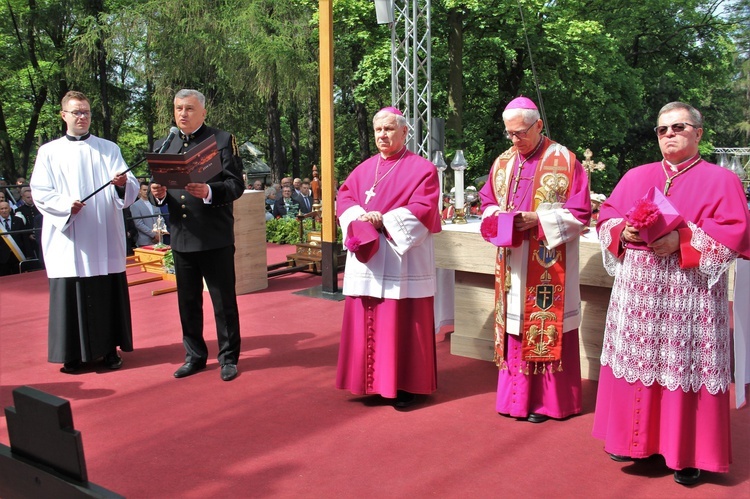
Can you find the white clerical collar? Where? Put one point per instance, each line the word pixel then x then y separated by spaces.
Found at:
pixel 397 155
pixel 77 138
pixel 675 167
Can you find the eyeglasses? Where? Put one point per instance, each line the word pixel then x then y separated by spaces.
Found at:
pixel 519 135
pixel 79 114
pixel 676 128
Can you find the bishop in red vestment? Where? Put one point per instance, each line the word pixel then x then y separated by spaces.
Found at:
pixel 537 194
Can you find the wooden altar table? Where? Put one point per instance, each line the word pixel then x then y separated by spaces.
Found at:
pixel 460 248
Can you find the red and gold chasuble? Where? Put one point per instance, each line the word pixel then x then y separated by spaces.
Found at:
pixel 543 298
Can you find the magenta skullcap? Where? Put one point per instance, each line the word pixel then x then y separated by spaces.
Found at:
pixel 521 102
pixel 393 110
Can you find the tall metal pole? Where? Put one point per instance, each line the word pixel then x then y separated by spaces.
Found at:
pixel 328 248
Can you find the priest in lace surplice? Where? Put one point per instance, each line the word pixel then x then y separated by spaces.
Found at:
pixel 387 336
pixel 665 364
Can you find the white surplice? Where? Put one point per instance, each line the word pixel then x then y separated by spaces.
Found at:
pixel 91 242
pixel 403 267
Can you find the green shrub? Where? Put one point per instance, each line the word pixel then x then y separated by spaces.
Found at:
pixel 286 230
pixel 168 261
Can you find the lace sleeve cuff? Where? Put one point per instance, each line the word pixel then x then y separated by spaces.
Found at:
pixel 715 258
pixel 611 249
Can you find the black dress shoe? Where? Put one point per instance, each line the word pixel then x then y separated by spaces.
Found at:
pixel 620 458
pixel 228 372
pixel 189 368
pixel 71 367
pixel 112 360
pixel 537 418
pixel 404 400
pixel 687 476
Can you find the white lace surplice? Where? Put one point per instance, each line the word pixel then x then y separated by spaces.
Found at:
pixel 666 324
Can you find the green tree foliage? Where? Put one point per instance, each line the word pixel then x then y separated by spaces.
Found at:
pixel 33 37
pixel 603 68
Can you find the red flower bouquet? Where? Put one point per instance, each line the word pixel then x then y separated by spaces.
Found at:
pixel 654 216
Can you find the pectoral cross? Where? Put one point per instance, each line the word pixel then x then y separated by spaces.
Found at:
pixel 370 194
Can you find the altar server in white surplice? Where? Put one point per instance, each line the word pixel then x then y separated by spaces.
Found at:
pixel 84 242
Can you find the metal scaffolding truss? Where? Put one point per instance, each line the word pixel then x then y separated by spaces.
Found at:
pixel 411 70
pixel 737 151
pixel 740 152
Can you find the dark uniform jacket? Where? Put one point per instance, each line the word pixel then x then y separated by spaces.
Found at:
pixel 193 224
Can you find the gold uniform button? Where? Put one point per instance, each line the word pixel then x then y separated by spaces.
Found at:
pixel 182 197
pixel 184 215
pixel 183 206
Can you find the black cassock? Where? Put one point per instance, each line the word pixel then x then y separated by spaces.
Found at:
pixel 89 317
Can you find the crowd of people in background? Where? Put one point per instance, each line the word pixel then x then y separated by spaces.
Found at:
pixel 286 199
pixel 19 215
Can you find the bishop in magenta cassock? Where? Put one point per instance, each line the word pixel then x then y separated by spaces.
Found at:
pixel 387 336
pixel 665 363
pixel 535 206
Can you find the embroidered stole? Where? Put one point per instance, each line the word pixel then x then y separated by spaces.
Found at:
pixel 544 296
pixel 12 245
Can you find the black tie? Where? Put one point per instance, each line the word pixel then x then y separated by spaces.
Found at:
pixel 307 203
pixel 7 224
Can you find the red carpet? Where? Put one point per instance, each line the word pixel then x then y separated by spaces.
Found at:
pixel 281 429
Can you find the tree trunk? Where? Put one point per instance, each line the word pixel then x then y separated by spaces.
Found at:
pixel 28 139
pixel 454 122
pixel 148 104
pixel 96 9
pixel 7 161
pixel 275 140
pixel 14 169
pixel 313 132
pixel 103 91
pixel 364 130
pixel 294 128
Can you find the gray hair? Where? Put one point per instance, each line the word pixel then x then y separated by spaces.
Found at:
pixel 400 119
pixel 529 115
pixel 695 115
pixel 270 191
pixel 189 92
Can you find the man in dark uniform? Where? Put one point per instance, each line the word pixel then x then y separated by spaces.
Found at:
pixel 31 216
pixel 11 247
pixel 202 230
